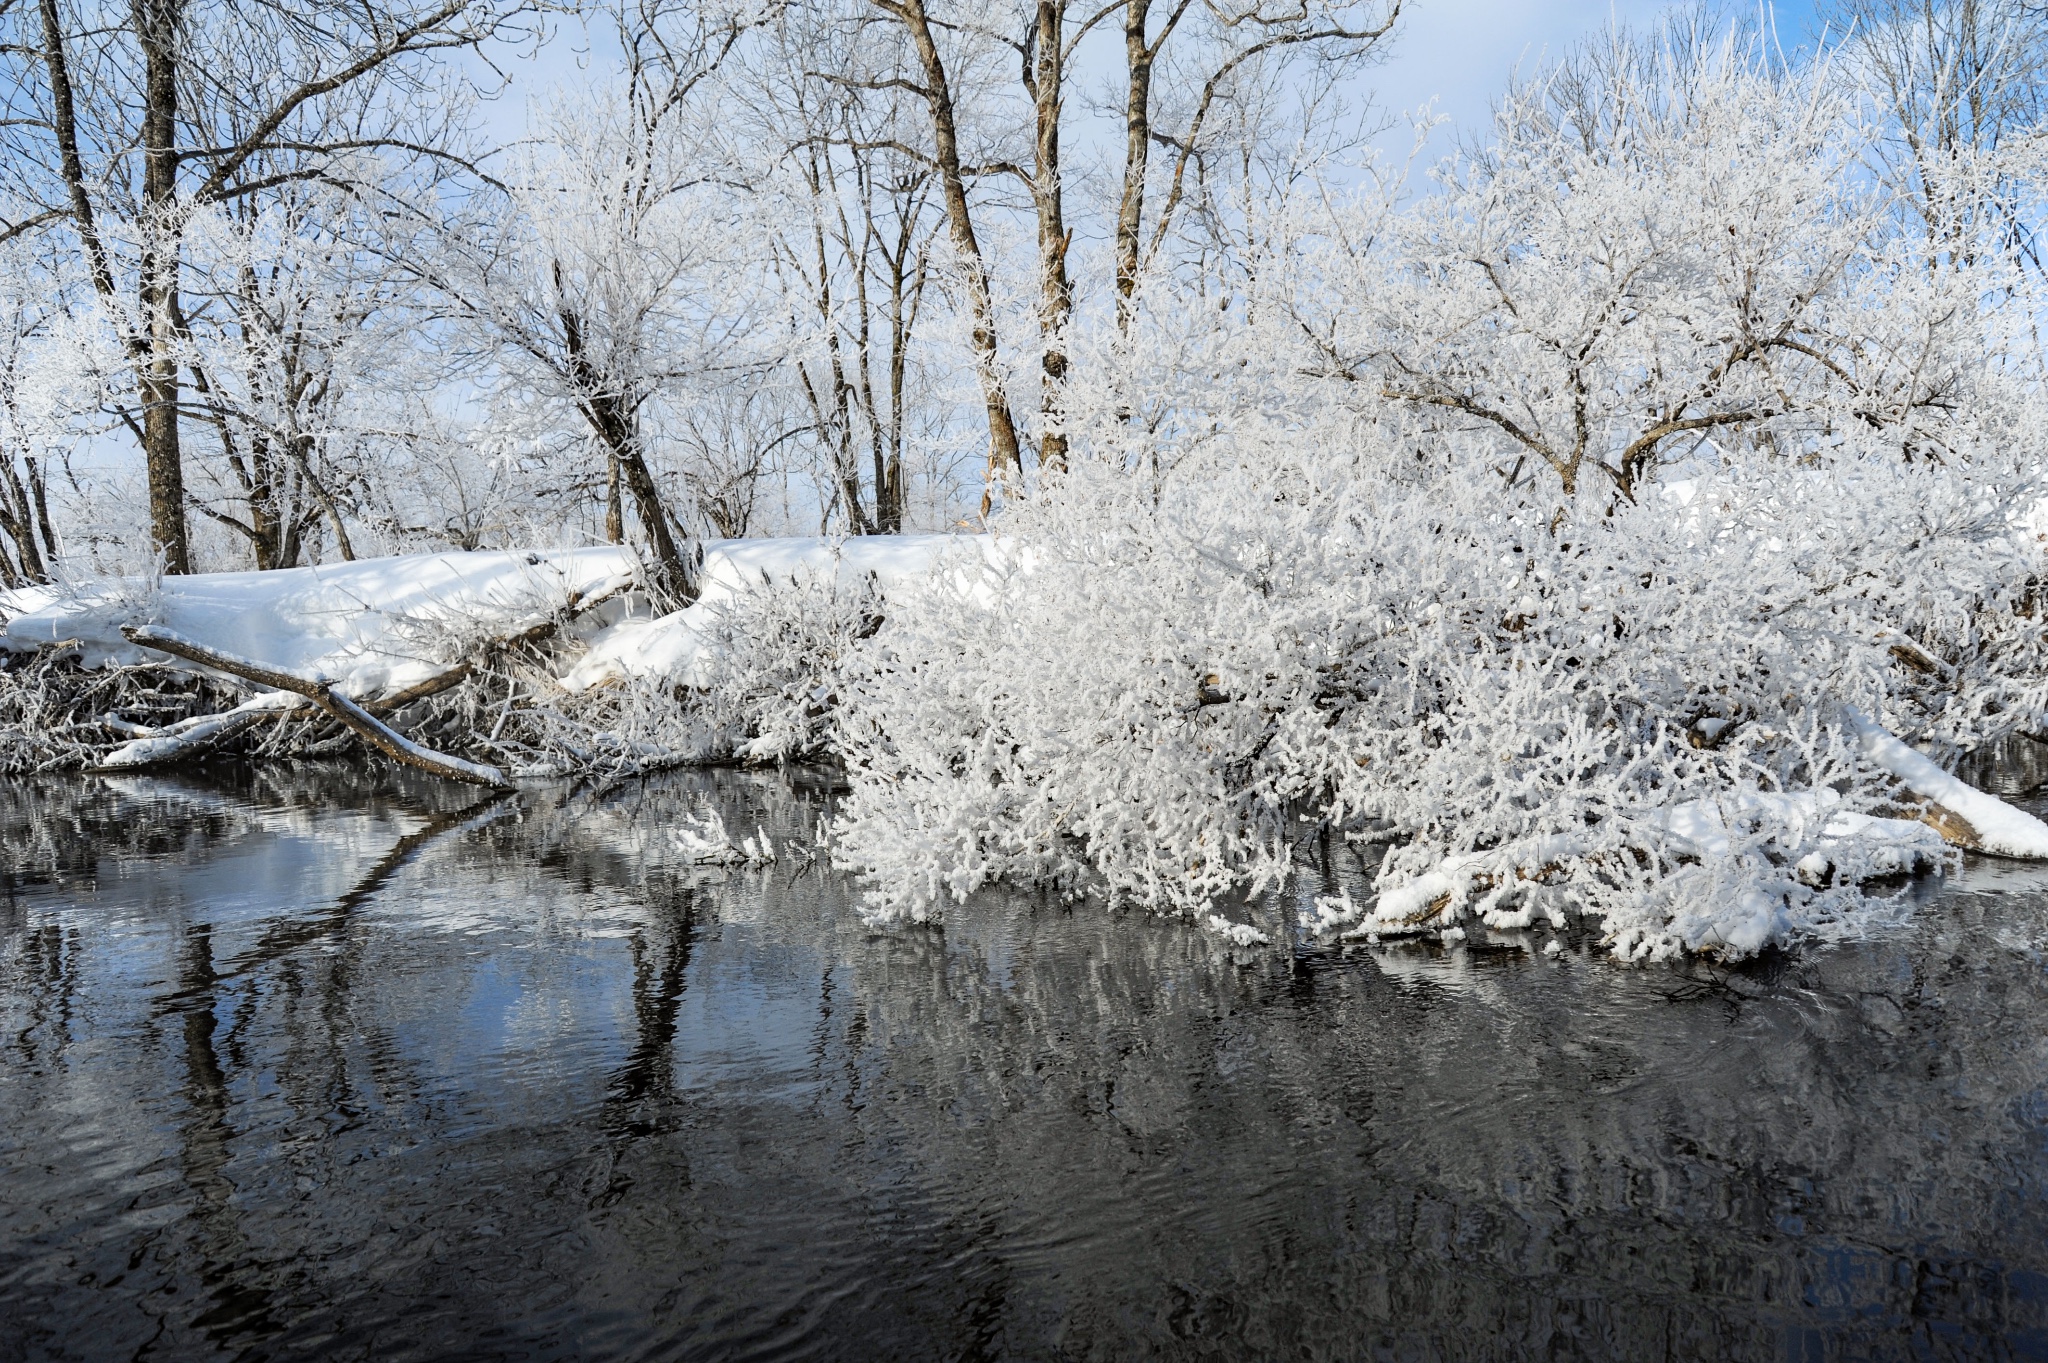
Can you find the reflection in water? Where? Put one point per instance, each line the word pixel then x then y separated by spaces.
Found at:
pixel 334 1064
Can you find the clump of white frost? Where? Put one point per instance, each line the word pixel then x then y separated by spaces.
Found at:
pixel 1559 525
pixel 1237 934
pixel 1559 707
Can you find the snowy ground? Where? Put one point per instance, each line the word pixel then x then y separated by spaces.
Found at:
pixel 676 645
pixel 380 625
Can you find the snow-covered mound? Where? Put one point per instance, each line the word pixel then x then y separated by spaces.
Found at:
pixel 678 646
pixel 380 625
pixel 373 625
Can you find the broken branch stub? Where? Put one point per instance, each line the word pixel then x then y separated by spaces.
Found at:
pixel 323 693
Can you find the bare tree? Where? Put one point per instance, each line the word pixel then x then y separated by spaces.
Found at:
pixel 31 414
pixel 731 442
pixel 601 273
pixel 122 117
pixel 932 84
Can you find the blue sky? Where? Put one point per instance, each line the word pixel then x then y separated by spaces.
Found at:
pixel 1459 52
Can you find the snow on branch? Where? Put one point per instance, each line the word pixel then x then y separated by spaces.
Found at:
pixel 322 692
pixel 153 747
pixel 1962 814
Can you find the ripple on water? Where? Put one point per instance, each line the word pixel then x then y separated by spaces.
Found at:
pixel 336 1064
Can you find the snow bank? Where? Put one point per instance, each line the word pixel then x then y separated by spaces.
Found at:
pixel 678 646
pixel 374 625
pixel 378 625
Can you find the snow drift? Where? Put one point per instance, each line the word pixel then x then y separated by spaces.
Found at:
pixel 374 625
pixel 379 625
pixel 686 645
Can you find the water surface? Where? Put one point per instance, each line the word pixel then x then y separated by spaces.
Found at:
pixel 331 1063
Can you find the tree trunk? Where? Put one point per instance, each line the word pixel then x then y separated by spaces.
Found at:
pixel 1004 461
pixel 1056 291
pixel 18 519
pixel 614 509
pixel 157 23
pixel 674 573
pixel 39 495
pixel 905 293
pixel 64 124
pixel 11 576
pixel 616 428
pixel 612 417
pixel 302 452
pixel 1130 209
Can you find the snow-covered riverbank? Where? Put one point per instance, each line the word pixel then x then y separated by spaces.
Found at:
pixel 377 626
pixel 1083 722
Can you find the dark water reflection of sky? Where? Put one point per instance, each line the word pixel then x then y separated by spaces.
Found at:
pixel 328 1065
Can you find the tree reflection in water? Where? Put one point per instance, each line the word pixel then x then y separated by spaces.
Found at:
pixel 336 1064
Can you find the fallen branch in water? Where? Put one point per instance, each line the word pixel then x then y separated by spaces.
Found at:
pixel 150 747
pixel 170 743
pixel 323 693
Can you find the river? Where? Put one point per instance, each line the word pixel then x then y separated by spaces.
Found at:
pixel 332 1063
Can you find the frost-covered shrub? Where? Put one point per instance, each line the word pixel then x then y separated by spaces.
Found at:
pixel 538 731
pixel 1534 692
pixel 772 662
pixel 757 684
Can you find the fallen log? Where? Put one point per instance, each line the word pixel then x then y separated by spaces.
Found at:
pixel 1964 816
pixel 150 747
pixel 322 692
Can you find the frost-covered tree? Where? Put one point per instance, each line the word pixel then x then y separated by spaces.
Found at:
pixel 119 120
pixel 610 268
pixel 1665 243
pixel 1561 528
pixel 301 364
pixel 1958 85
pixel 42 390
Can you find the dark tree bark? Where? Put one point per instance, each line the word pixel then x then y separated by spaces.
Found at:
pixel 614 419
pixel 157 25
pixel 1004 460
